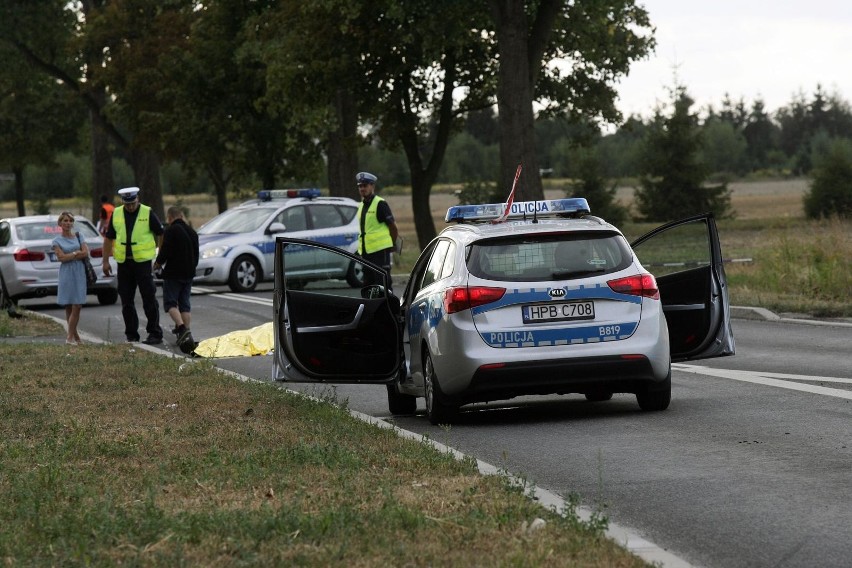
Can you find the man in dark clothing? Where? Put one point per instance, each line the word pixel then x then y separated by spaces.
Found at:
pixel 178 257
pixel 134 246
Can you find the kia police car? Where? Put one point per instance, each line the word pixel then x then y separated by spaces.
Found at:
pixel 550 301
pixel 236 247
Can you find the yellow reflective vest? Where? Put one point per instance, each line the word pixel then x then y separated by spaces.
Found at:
pixel 375 236
pixel 143 244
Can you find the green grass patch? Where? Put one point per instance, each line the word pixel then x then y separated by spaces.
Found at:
pixel 112 455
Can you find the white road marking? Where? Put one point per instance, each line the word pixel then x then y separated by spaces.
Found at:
pixel 235 297
pixel 772 379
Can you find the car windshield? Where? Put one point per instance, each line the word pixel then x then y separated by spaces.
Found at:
pixel 561 257
pixel 48 230
pixel 237 221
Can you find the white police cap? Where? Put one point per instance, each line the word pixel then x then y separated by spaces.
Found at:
pixel 366 177
pixel 128 194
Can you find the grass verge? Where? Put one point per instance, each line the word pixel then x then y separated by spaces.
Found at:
pixel 112 455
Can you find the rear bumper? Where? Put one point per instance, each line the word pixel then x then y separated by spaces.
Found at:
pixel 562 376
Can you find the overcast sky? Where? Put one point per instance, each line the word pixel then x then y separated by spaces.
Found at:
pixel 747 48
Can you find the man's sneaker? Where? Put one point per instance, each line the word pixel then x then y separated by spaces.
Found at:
pixel 182 334
pixel 187 344
pixel 153 340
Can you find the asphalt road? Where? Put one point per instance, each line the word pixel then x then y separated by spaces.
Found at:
pixel 751 465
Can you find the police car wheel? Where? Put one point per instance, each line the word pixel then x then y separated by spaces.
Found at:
pixel 245 272
pixel 399 403
pixel 657 397
pixel 437 411
pixel 355 274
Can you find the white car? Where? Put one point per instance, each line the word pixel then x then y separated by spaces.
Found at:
pixel 550 301
pixel 236 247
pixel 29 267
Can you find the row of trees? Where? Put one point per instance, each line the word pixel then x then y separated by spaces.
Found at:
pixel 276 91
pixel 270 93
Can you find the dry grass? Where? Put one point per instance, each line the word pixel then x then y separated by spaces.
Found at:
pixel 147 460
pixel 768 217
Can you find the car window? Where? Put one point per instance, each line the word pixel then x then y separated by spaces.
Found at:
pixel 680 248
pixel 293 218
pixel 531 258
pixel 347 213
pixel 436 264
pixel 38 231
pixel 325 216
pixel 237 221
pixel 449 262
pixel 5 234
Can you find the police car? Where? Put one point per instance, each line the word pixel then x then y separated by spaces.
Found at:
pixel 550 301
pixel 236 247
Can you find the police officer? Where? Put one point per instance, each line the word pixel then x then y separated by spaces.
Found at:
pixel 133 235
pixel 378 228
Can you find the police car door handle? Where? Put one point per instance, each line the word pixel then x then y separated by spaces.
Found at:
pixel 342 327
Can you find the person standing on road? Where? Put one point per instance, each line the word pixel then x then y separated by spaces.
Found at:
pixel 70 250
pixel 378 228
pixel 107 209
pixel 178 257
pixel 132 238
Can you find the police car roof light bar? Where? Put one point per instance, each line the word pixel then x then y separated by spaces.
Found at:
pixel 270 194
pixel 519 209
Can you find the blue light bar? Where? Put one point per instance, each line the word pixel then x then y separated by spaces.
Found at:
pixel 270 194
pixel 541 209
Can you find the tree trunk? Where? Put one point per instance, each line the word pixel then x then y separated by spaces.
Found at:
pixel 514 101
pixel 342 148
pixel 103 182
pixel 19 189
pixel 146 169
pixel 220 182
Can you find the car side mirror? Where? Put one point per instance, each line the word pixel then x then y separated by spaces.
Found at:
pixel 277 227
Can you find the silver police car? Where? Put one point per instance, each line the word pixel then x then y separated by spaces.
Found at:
pixel 236 247
pixel 551 300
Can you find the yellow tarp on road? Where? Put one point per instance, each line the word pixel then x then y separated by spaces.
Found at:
pixel 243 343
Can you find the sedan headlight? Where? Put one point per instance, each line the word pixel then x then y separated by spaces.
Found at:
pixel 213 252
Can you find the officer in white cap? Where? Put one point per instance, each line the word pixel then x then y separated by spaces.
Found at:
pixel 132 238
pixel 379 232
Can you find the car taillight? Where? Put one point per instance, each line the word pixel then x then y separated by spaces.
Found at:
pixel 462 298
pixel 96 253
pixel 25 255
pixel 638 285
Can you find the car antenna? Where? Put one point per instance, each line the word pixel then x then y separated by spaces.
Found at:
pixel 535 212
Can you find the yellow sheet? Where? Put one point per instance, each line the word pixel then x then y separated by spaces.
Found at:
pixel 243 343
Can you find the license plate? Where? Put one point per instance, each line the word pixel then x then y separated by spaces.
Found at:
pixel 558 311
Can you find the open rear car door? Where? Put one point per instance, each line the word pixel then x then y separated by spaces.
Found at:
pixel 685 257
pixel 327 331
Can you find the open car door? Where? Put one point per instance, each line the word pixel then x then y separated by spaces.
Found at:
pixel 327 331
pixel 686 259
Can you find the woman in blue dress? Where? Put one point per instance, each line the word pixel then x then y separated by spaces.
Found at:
pixel 71 293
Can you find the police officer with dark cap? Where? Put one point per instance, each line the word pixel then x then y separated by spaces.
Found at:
pixel 378 229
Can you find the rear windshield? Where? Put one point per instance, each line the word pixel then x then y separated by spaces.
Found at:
pixel 47 230
pixel 560 257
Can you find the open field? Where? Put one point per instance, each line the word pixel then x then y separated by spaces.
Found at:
pixel 797 265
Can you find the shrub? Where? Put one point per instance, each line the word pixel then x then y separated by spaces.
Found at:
pixel 831 189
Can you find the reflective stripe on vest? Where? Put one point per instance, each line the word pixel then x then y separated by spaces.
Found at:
pixel 375 236
pixel 143 244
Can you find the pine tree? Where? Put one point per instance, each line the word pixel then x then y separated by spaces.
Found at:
pixel 673 174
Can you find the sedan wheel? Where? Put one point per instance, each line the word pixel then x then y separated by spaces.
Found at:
pixel 437 411
pixel 245 272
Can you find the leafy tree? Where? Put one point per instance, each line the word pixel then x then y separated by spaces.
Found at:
pixel 672 182
pixel 595 40
pixel 594 187
pixel 724 148
pixel 37 118
pixel 831 188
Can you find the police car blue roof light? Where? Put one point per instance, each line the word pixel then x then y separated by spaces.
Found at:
pixel 270 194
pixel 520 209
